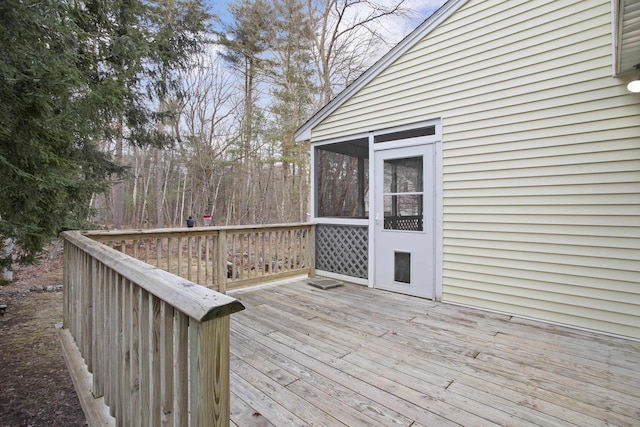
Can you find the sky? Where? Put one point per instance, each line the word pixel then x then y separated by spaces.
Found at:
pixel 394 28
pixel 398 28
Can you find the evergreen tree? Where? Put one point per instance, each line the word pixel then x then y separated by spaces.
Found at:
pixel 293 92
pixel 74 75
pixel 139 46
pixel 50 164
pixel 246 43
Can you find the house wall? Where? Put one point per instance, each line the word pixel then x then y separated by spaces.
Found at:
pixel 541 149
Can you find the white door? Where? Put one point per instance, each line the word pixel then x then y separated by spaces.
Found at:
pixel 404 243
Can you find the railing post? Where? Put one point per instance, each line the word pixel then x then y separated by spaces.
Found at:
pixel 209 372
pixel 222 262
pixel 311 250
pixel 181 372
pixel 97 335
pixel 66 283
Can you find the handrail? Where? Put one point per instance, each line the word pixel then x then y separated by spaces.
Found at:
pixel 221 258
pixel 157 345
pixel 195 301
pixel 159 232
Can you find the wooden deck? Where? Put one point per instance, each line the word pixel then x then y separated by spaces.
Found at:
pixel 361 357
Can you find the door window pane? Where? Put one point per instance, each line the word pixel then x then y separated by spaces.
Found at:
pixel 407 215
pixel 403 175
pixel 403 194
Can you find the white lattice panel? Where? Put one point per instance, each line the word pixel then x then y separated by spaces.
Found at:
pixel 342 249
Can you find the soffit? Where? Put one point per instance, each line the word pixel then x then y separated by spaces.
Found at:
pixel 628 48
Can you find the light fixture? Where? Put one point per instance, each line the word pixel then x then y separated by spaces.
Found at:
pixel 634 85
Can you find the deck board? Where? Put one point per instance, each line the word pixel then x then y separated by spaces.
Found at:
pixel 357 356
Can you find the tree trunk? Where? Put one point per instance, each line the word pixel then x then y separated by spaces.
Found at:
pixel 159 189
pixel 117 189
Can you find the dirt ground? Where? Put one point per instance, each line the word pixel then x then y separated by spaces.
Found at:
pixel 35 387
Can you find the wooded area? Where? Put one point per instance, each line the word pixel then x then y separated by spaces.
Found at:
pixel 260 77
pixel 125 113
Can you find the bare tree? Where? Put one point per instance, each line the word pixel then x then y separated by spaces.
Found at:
pixel 347 38
pixel 293 92
pixel 205 128
pixel 235 156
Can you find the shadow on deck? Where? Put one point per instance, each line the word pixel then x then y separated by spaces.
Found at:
pixel 357 356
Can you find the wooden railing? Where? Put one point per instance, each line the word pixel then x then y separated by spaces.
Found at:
pixel 155 346
pixel 221 258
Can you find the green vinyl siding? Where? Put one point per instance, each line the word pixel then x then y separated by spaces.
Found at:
pixel 541 157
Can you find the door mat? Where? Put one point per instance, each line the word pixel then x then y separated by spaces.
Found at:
pixel 324 283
